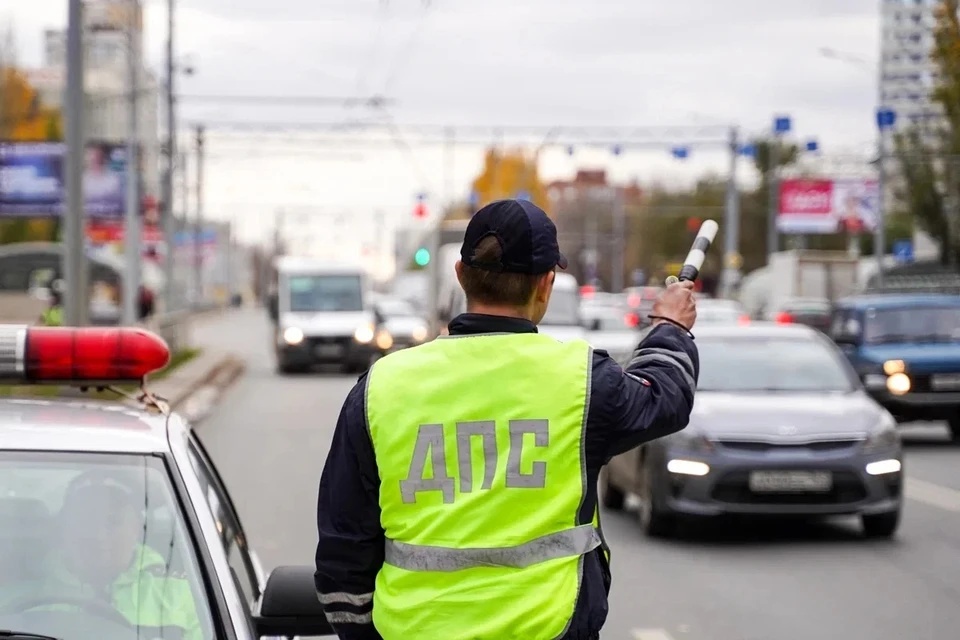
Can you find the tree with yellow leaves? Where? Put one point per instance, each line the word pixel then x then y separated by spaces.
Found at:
pixel 510 174
pixel 23 118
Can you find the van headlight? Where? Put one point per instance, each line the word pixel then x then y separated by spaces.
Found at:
pixel 293 335
pixel 899 384
pixel 419 333
pixel 364 333
pixel 384 340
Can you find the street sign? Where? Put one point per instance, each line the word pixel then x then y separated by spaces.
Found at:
pixel 903 251
pixel 886 118
pixel 781 124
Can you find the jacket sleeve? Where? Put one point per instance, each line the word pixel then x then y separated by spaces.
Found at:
pixel 651 397
pixel 350 548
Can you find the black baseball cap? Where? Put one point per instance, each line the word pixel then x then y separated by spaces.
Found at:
pixel 527 236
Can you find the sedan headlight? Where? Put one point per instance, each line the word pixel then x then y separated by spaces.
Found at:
pixel 693 442
pixel 384 340
pixel 293 335
pixel 364 333
pixel 419 333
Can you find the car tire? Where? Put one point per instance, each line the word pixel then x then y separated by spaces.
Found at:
pixel 880 525
pixel 611 497
pixel 655 520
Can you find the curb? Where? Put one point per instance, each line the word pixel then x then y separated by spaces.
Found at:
pixel 205 392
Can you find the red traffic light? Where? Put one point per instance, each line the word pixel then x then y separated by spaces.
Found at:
pixel 693 224
pixel 420 211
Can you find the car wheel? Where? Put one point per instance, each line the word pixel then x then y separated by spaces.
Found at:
pixel 655 520
pixel 880 525
pixel 610 496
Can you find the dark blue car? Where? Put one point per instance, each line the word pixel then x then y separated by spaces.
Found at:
pixel 906 349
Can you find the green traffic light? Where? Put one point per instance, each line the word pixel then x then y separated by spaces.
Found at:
pixel 422 257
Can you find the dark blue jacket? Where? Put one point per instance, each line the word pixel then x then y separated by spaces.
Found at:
pixel 649 399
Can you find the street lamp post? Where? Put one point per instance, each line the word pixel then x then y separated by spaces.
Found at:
pixel 75 274
pixel 131 234
pixel 781 127
pixel 886 118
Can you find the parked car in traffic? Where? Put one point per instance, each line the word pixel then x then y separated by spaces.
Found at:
pixel 906 349
pixel 813 312
pixel 781 426
pixel 400 324
pixel 612 328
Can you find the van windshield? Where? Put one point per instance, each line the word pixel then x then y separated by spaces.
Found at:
pixel 564 309
pixel 325 293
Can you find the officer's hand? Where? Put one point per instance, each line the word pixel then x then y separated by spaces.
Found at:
pixel 677 303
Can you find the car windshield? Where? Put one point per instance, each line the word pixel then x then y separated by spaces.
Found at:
pixel 396 308
pixel 564 309
pixel 912 324
pixel 325 293
pixel 82 534
pixel 770 364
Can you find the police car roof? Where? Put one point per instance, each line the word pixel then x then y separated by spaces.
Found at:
pixel 77 425
pixel 898 300
pixel 754 330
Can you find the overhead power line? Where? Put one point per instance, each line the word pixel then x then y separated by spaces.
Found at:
pixel 374 102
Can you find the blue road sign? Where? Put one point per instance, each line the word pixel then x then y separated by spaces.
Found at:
pixel 812 146
pixel 886 118
pixel 903 251
pixel 781 124
pixel 748 150
pixel 680 153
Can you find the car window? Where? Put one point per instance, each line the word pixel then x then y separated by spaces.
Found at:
pixel 309 293
pixel 228 522
pixel 81 533
pixel 912 324
pixel 771 364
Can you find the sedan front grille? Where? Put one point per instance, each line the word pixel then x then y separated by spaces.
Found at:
pixel 734 488
pixel 760 446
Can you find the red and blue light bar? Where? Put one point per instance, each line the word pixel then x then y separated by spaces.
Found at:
pixel 87 355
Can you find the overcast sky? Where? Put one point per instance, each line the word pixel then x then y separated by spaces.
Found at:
pixel 499 62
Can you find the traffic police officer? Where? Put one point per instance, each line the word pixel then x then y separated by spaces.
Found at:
pixel 104 559
pixel 53 315
pixel 459 498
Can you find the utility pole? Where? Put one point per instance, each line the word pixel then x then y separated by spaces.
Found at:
pixel 773 183
pixel 731 223
pixel 619 240
pixel 169 228
pixel 132 218
pixel 75 275
pixel 198 235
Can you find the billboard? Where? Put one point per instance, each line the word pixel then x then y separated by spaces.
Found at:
pixel 828 206
pixel 32 178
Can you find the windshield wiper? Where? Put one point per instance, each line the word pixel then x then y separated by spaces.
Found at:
pixel 25 635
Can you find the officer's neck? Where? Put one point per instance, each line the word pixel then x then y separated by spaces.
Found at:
pixel 503 311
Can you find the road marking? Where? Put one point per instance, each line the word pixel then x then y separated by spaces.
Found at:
pixel 651 634
pixel 932 494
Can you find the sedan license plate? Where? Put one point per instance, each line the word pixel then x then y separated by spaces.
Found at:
pixel 944 382
pixel 328 350
pixel 791 481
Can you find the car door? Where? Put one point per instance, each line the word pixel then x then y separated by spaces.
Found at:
pixel 244 563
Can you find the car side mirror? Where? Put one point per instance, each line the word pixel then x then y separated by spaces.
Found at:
pixel 273 307
pixel 289 605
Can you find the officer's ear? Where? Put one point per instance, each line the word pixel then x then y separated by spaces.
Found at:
pixel 545 286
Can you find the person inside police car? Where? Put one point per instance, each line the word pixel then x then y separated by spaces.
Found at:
pixel 459 496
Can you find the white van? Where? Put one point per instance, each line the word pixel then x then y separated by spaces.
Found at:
pixel 322 316
pixel 562 320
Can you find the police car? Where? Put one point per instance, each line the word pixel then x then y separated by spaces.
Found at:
pixel 114 521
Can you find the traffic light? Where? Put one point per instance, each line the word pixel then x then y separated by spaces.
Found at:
pixel 420 211
pixel 422 257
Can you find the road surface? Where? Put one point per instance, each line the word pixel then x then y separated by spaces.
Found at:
pixel 735 582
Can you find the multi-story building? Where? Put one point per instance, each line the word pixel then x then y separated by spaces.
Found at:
pixel 907 72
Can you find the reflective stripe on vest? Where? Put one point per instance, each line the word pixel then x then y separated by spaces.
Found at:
pixel 479 442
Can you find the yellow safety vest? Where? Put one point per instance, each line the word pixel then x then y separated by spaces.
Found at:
pixel 479 441
pixel 53 317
